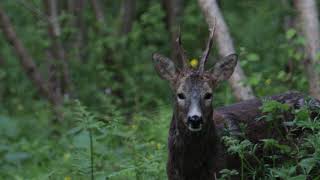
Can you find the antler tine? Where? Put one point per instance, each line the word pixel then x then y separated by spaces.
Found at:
pixel 206 52
pixel 182 52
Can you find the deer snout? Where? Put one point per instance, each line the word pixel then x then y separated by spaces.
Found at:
pixel 195 123
pixel 194 118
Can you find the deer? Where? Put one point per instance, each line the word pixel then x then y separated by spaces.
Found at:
pixel 195 150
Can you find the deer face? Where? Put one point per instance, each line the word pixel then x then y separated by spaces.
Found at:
pixel 193 100
pixel 193 88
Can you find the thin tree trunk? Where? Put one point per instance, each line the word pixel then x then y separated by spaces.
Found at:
pixel 57 49
pixel 79 22
pixel 309 25
pixel 70 6
pixel 98 11
pixel 128 14
pixel 76 8
pixel 26 60
pixel 223 38
pixel 173 10
pixel 289 23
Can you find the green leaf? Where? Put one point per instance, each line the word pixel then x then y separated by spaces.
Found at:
pixel 226 173
pixel 307 164
pixel 8 127
pixel 300 177
pixel 253 57
pixel 16 156
pixel 300 41
pixel 272 105
pixel 81 140
pixel 291 33
pixel 255 79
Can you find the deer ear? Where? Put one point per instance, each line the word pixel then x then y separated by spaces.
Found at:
pixel 224 68
pixel 164 67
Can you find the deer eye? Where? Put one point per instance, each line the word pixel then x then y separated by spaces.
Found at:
pixel 181 96
pixel 208 96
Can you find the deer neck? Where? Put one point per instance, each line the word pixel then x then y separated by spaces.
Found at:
pixel 192 154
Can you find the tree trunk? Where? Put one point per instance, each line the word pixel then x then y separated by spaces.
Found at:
pixel 1 60
pixel 26 60
pixel 128 12
pixel 287 24
pixel 173 10
pixel 98 11
pixel 78 39
pixel 223 38
pixel 309 25
pixel 57 49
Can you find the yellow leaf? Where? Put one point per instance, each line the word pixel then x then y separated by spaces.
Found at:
pixel 67 178
pixel 194 63
pixel 268 81
pixel 66 156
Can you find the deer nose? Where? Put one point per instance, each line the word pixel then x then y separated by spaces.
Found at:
pixel 195 121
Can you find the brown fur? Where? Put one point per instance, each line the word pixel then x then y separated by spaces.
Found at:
pixel 202 155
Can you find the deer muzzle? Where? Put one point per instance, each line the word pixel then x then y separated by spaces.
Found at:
pixel 195 123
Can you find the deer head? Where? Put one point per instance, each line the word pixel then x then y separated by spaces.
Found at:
pixel 193 87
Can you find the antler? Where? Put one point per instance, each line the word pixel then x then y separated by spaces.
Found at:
pixel 206 52
pixel 182 52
